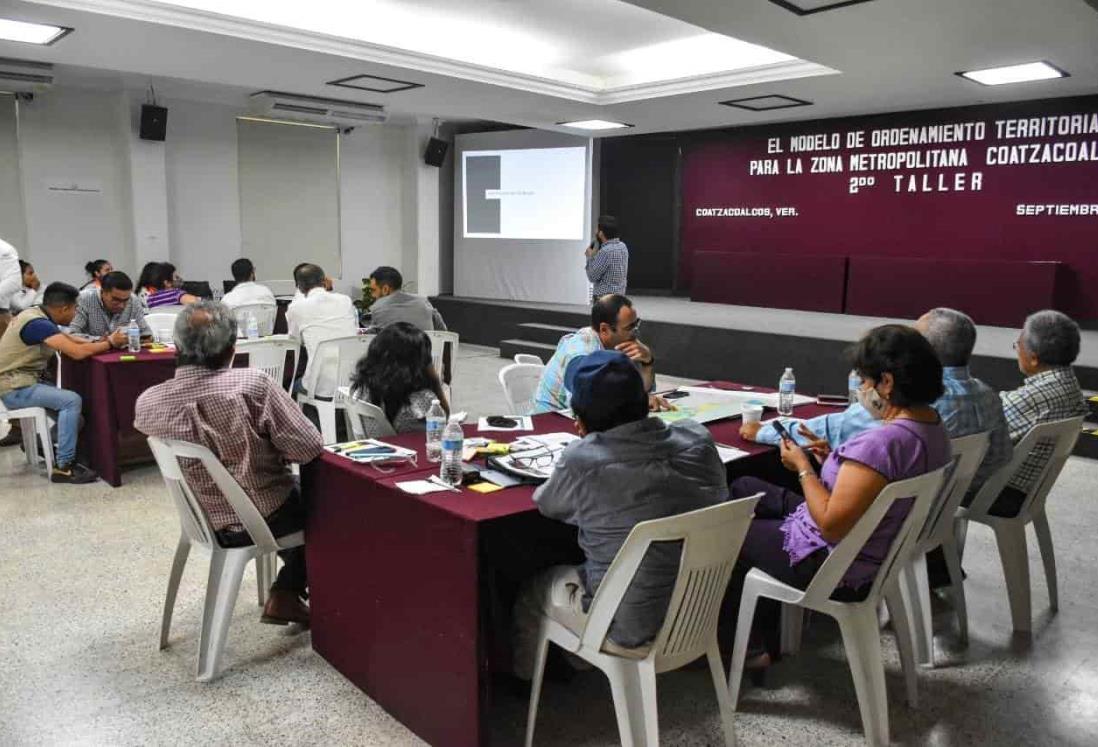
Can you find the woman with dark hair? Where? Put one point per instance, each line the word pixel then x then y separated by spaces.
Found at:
pixel 96 269
pixel 31 293
pixel 165 293
pixel 397 375
pixel 146 283
pixel 793 534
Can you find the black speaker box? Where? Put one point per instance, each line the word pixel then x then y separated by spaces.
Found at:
pixel 154 122
pixel 436 152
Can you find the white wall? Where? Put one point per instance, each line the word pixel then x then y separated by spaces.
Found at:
pixel 12 224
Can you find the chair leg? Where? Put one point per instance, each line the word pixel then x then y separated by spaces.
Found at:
pixel 265 569
pixel 862 640
pixel 30 438
pixel 326 413
pixel 746 616
pixel 901 623
pixel 792 622
pixel 956 587
pixel 1048 557
pixel 223 586
pixel 633 684
pixel 535 685
pixel 1011 538
pixel 179 562
pixel 724 702
pixel 915 590
pixel 960 533
pixel 42 425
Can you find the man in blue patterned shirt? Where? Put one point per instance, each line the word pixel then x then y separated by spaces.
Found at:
pixel 608 262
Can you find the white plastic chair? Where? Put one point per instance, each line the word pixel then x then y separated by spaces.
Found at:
pixel 162 324
pixel 439 341
pixel 857 620
pixel 331 369
pixel 264 314
pixel 226 563
pixel 35 425
pixel 520 386
pixel 968 453
pixel 365 419
pixel 1010 533
pixel 711 539
pixel 529 358
pixel 269 355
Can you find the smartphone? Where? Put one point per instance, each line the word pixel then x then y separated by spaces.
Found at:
pixel 782 431
pixel 676 395
pixel 369 451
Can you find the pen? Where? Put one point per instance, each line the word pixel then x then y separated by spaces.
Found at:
pixel 435 479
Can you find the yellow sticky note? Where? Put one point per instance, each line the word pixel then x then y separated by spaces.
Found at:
pixel 484 487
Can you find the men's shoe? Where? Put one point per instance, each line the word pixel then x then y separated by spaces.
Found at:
pixel 13 438
pixel 73 474
pixel 284 607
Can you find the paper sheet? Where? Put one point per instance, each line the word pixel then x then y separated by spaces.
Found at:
pixel 524 424
pixel 421 487
pixel 767 399
pixel 730 453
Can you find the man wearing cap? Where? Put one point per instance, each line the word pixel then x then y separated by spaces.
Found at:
pixel 627 468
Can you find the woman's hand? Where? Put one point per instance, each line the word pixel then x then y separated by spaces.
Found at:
pixel 794 457
pixel 818 446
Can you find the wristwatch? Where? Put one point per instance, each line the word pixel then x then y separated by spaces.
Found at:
pixel 803 474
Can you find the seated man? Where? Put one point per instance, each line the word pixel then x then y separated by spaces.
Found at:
pixel 108 308
pixel 319 314
pixel 391 304
pixel 252 426
pixel 25 349
pixel 614 326
pixel 1047 347
pixel 246 291
pixel 627 468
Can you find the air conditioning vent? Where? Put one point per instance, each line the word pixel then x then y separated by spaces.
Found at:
pixel 24 75
pixel 316 109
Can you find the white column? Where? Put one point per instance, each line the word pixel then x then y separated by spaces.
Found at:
pixel 149 188
pixel 421 192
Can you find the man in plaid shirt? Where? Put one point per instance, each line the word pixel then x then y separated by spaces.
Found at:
pixel 608 263
pixel 1047 347
pixel 252 426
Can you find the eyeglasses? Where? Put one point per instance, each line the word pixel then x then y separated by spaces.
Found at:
pixel 634 327
pixel 534 458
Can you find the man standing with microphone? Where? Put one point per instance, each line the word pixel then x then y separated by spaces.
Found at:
pixel 607 259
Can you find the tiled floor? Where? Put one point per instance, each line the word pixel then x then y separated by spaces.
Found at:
pixel 84 570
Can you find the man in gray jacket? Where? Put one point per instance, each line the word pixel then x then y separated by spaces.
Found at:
pixel 391 304
pixel 626 469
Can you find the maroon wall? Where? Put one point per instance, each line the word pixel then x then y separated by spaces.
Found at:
pixel 825 217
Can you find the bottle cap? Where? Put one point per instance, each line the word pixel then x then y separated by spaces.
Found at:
pixel 434 402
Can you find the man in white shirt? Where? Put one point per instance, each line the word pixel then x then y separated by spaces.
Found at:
pixel 317 315
pixel 11 280
pixel 247 292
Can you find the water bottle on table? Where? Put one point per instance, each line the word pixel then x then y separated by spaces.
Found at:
pixel 133 337
pixel 453 440
pixel 787 388
pixel 253 327
pixel 853 384
pixel 436 423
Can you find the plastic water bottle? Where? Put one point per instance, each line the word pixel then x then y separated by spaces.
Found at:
pixel 787 387
pixel 253 327
pixel 133 337
pixel 453 439
pixel 436 422
pixel 853 384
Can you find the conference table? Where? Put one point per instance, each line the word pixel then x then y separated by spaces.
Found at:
pixel 410 595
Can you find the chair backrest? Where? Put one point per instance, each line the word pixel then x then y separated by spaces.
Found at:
pixel 365 419
pixel 264 313
pixel 711 538
pixel 520 386
pixel 529 358
pixel 192 517
pixel 1061 435
pixel 439 341
pixel 334 363
pixel 968 453
pixel 269 355
pixel 162 323
pixel 924 489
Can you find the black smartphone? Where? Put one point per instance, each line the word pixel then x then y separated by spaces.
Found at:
pixel 833 400
pixel 499 421
pixel 676 395
pixel 782 431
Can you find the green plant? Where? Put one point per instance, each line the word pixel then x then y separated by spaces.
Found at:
pixel 367 299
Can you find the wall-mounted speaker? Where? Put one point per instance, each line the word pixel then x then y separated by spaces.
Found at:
pixel 436 152
pixel 154 122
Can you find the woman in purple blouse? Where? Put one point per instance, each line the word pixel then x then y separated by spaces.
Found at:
pixel 793 534
pixel 166 294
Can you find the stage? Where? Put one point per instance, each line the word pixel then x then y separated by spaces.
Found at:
pixel 742 343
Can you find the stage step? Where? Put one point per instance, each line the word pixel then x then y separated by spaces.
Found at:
pixel 508 348
pixel 549 334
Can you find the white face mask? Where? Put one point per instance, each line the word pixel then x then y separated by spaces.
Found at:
pixel 872 401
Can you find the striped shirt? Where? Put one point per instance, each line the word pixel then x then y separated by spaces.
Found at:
pixel 92 319
pixel 1042 398
pixel 608 268
pixel 165 297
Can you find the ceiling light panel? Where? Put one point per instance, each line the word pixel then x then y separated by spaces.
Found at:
pixel 594 124
pixel 30 33
pixel 1024 73
pixel 766 103
pixel 375 84
pixel 809 7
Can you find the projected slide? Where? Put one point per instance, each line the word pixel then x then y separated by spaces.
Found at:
pixel 534 193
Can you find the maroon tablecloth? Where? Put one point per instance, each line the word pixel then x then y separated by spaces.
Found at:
pixel 400 585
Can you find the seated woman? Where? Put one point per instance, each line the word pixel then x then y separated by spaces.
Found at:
pixel 792 534
pixel 397 375
pixel 30 294
pixel 96 269
pixel 146 283
pixel 166 293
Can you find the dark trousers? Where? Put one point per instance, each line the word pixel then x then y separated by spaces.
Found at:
pixel 763 548
pixel 1007 505
pixel 286 519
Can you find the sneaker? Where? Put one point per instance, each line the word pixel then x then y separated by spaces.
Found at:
pixel 73 474
pixel 14 437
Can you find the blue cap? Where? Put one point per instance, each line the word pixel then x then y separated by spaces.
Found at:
pixel 603 381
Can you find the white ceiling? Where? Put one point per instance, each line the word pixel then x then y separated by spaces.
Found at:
pixel 890 55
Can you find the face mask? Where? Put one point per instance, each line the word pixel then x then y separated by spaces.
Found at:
pixel 874 404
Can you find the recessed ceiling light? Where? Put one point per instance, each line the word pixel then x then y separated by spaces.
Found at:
pixel 808 7
pixel 30 33
pixel 594 124
pixel 1024 73
pixel 375 84
pixel 766 103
